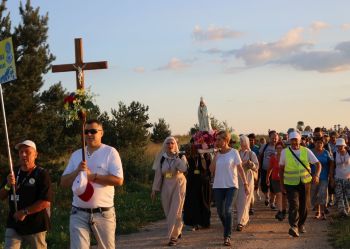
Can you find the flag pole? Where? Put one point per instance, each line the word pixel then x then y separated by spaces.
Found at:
pixel 8 146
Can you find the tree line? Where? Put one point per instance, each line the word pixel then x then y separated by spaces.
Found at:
pixel 38 115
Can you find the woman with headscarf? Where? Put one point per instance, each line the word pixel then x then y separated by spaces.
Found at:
pixel 226 166
pixel 198 190
pixel 170 181
pixel 250 165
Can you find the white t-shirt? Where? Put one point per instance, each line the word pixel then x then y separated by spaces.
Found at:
pixel 310 156
pixel 104 161
pixel 342 163
pixel 226 175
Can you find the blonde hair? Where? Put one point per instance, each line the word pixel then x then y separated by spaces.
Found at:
pixel 224 135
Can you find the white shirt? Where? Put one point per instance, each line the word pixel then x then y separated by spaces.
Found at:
pixel 310 156
pixel 342 163
pixel 226 175
pixel 104 161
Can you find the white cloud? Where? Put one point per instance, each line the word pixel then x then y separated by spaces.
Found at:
pixel 260 53
pixel 345 26
pixel 335 60
pixel 214 33
pixel 139 69
pixel 174 64
pixel 319 25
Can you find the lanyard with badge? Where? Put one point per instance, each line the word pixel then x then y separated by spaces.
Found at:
pixel 19 185
pixel 168 174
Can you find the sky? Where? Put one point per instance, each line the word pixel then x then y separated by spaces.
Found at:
pixel 258 65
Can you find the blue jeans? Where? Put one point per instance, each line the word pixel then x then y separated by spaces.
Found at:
pixel 223 201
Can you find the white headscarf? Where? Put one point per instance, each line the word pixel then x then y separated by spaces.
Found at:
pixel 244 140
pixel 156 162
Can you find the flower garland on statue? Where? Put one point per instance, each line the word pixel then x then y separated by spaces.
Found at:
pixel 204 139
pixel 76 104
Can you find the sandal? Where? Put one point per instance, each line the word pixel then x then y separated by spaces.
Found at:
pixel 227 242
pixel 239 227
pixel 317 215
pixel 323 216
pixel 172 242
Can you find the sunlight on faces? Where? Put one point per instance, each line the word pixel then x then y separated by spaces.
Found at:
pixel 94 140
pixel 222 140
pixel 27 156
pixel 171 146
pixel 341 148
pixel 319 144
pixel 294 142
pixel 274 138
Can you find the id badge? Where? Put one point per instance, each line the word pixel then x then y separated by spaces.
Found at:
pixel 197 172
pixel 168 175
pixel 17 198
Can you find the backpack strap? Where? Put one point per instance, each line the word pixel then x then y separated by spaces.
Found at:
pixel 161 162
pixel 299 160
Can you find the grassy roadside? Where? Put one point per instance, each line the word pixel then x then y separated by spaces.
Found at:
pixel 340 233
pixel 134 209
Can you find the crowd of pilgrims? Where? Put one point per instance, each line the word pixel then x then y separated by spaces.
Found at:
pixel 190 183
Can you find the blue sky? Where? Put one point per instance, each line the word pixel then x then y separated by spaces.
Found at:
pixel 258 64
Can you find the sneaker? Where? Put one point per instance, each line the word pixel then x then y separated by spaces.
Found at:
pixel 172 242
pixel 273 206
pixel 293 232
pixel 326 211
pixel 302 229
pixel 227 241
pixel 323 216
pixel 267 203
pixel 239 227
pixel 251 211
pixel 279 216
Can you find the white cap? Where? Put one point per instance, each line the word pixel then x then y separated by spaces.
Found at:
pixel 293 135
pixel 340 142
pixel 82 187
pixel 26 142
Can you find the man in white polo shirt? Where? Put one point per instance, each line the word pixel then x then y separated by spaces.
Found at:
pixel 93 184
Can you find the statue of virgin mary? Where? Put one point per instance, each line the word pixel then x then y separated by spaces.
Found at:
pixel 203 117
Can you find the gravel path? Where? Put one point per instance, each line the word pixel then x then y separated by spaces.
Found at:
pixel 263 231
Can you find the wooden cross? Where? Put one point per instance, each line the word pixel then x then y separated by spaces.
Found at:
pixel 79 66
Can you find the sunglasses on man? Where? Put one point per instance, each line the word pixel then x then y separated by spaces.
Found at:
pixel 91 131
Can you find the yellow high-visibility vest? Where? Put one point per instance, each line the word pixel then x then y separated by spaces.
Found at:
pixel 294 172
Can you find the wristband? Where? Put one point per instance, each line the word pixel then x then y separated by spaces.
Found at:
pixel 7 188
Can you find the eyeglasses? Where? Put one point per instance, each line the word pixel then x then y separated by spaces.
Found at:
pixel 91 131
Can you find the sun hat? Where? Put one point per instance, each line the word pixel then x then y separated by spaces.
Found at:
pixel 82 187
pixel 340 142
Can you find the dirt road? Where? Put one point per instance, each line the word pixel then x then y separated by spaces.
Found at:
pixel 263 231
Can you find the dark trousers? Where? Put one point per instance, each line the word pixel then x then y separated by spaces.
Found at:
pixel 298 198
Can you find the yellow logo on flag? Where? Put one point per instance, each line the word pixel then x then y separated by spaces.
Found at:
pixel 7 61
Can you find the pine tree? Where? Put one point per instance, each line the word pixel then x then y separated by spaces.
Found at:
pixel 33 60
pixel 160 131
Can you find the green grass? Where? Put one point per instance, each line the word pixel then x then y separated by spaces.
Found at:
pixel 340 233
pixel 134 209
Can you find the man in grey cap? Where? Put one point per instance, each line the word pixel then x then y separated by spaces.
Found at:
pixel 33 196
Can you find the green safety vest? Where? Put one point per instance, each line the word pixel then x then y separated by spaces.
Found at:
pixel 294 172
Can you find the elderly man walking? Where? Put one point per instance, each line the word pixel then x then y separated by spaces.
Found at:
pixel 33 195
pixel 296 178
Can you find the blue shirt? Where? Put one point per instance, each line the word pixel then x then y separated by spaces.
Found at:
pixel 255 149
pixel 324 159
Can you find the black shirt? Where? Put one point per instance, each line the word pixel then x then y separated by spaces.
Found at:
pixel 30 188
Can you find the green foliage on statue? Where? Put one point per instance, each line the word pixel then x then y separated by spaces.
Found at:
pixel 161 131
